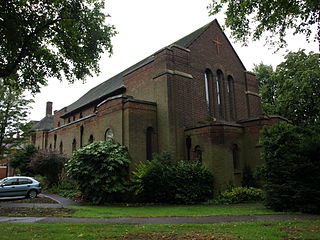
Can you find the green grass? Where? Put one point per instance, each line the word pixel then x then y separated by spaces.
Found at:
pixel 168 211
pixel 245 231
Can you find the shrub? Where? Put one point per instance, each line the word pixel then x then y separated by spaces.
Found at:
pixel 48 164
pixel 101 171
pixel 240 195
pixel 163 180
pixel 292 168
pixel 22 158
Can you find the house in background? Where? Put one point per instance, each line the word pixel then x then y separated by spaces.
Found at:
pixel 193 98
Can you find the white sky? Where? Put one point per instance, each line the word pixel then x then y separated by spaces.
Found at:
pixel 145 26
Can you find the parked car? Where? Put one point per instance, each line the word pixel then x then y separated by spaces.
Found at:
pixel 19 186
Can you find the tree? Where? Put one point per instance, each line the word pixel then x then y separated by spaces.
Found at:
pixel 293 90
pixel 14 109
pixel 267 87
pixel 21 160
pixel 58 38
pixel 292 157
pixel 48 164
pixel 101 170
pixel 253 18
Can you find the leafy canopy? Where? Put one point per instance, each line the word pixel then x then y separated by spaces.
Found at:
pixel 14 109
pixel 101 170
pixel 293 89
pixel 252 18
pixel 57 38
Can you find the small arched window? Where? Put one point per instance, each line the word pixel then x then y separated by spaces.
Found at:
pixel 81 135
pixel 61 147
pixel 74 145
pixel 149 143
pixel 91 139
pixel 108 134
pixel 198 153
pixel 235 157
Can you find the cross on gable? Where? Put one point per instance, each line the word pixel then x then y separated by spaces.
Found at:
pixel 218 44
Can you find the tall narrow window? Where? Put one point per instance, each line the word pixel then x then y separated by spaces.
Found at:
pixel 149 143
pixel 219 80
pixel 207 81
pixel 74 145
pixel 235 157
pixel 91 139
pixel 81 135
pixel 55 141
pixel 231 98
pixel 61 147
pixel 188 145
pixel 198 153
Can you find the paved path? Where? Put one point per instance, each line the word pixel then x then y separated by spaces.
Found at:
pixel 160 220
pixel 61 202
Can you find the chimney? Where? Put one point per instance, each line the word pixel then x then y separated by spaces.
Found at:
pixel 49 109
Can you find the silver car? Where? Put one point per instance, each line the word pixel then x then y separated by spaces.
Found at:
pixel 19 186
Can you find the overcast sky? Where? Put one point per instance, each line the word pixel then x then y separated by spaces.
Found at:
pixel 145 26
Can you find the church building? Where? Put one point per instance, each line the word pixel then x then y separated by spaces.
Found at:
pixel 193 98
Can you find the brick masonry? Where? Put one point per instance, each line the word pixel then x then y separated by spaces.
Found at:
pixel 168 95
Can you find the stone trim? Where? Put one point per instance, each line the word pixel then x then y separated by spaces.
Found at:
pixel 173 72
pixel 252 93
pixel 180 47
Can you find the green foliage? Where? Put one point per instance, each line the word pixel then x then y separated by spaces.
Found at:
pixel 48 164
pixel 163 180
pixel 240 195
pixel 66 188
pixel 62 39
pixel 254 19
pixel 293 90
pixel 137 176
pixel 14 110
pixel 292 167
pixel 21 160
pixel 101 170
pixel 248 177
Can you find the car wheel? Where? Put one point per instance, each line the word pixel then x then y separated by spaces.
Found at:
pixel 32 194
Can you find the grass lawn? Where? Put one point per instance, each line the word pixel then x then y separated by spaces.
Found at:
pixel 230 231
pixel 168 211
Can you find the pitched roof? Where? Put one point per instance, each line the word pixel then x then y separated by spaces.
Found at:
pixel 44 124
pixel 114 84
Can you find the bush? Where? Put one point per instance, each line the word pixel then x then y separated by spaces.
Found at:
pixel 22 158
pixel 48 164
pixel 165 181
pixel 240 195
pixel 101 171
pixel 292 168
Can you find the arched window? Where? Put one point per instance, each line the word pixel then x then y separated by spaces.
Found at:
pixel 235 157
pixel 59 124
pixel 188 145
pixel 231 98
pixel 91 139
pixel 61 147
pixel 55 141
pixel 81 135
pixel 207 83
pixel 50 146
pixel 74 145
pixel 149 143
pixel 108 134
pixel 219 80
pixel 198 153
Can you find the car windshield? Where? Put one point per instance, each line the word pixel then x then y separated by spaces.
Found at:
pixel 2 180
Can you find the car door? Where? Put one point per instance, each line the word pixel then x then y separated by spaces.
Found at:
pixel 9 188
pixel 23 186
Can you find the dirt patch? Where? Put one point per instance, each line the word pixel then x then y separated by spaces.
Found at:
pixel 39 199
pixel 170 236
pixel 33 212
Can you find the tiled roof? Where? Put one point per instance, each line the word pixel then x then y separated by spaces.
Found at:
pixel 110 86
pixel 44 124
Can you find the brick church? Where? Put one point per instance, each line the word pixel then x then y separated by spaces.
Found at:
pixel 193 98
